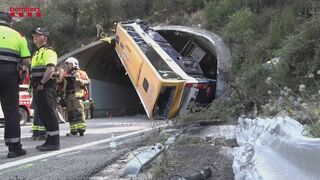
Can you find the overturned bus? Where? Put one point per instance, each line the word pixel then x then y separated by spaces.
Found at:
pixel 157 71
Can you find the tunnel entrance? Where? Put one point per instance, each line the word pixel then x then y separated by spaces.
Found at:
pixel 113 92
pixel 111 89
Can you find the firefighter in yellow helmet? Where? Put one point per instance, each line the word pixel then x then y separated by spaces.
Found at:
pixel 44 88
pixel 77 82
pixel 13 50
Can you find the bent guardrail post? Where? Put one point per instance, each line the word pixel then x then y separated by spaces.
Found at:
pixel 133 168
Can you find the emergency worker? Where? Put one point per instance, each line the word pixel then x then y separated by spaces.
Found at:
pixel 44 88
pixel 13 50
pixel 77 82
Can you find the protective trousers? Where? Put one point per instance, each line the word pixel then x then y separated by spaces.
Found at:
pixel 38 128
pixel 46 104
pixel 9 97
pixel 75 112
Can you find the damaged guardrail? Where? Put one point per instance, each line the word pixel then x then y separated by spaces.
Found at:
pixel 275 149
pixel 133 168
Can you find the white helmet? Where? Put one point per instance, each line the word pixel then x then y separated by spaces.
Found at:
pixel 73 61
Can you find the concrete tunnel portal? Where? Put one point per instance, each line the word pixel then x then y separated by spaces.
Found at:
pixel 112 90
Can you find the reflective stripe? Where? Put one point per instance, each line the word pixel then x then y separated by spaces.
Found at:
pixel 9 58
pixel 36 74
pixel 39 67
pixel 11 51
pixel 34 128
pixel 79 93
pixel 12 140
pixel 38 71
pixel 52 133
pixel 41 128
pixel 73 126
pixel 81 126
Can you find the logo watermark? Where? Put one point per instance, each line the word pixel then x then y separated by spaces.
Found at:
pixel 25 11
pixel 30 8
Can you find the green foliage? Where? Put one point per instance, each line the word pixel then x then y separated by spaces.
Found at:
pixel 162 8
pixel 253 81
pixel 239 32
pixel 315 130
pixel 217 12
pixel 256 31
pixel 240 27
pixel 301 53
pixel 216 112
pixel 282 24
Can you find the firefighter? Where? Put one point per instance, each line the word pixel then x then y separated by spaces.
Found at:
pixel 77 81
pixel 44 88
pixel 13 50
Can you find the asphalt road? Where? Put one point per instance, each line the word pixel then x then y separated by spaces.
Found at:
pixel 79 157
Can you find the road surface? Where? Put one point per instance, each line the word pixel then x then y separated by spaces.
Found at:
pixel 79 157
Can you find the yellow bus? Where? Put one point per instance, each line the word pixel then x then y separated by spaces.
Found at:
pixel 154 77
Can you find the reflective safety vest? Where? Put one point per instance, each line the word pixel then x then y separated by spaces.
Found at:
pixel 13 46
pixel 41 59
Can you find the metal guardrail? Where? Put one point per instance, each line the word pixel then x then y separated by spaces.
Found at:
pixel 133 168
pixel 275 149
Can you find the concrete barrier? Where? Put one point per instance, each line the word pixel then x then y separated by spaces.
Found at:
pixel 275 148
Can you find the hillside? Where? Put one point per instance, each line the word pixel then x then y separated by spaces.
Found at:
pixel 275 45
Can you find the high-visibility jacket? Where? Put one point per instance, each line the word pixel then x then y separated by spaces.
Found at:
pixel 13 46
pixel 41 59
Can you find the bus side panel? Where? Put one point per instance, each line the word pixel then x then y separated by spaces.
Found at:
pixel 144 76
pixel 128 53
pixel 149 87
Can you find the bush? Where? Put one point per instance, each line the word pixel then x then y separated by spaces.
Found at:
pixel 282 24
pixel 240 27
pixel 301 54
pixel 225 110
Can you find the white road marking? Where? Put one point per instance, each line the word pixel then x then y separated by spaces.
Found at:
pixel 90 131
pixel 75 148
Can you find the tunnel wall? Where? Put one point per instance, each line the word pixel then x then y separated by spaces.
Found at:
pixel 112 99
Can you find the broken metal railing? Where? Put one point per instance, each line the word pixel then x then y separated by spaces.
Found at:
pixel 275 148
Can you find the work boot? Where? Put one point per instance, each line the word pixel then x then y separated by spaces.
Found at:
pixel 81 132
pixel 13 154
pixel 52 143
pixel 72 133
pixel 41 136
pixel 15 150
